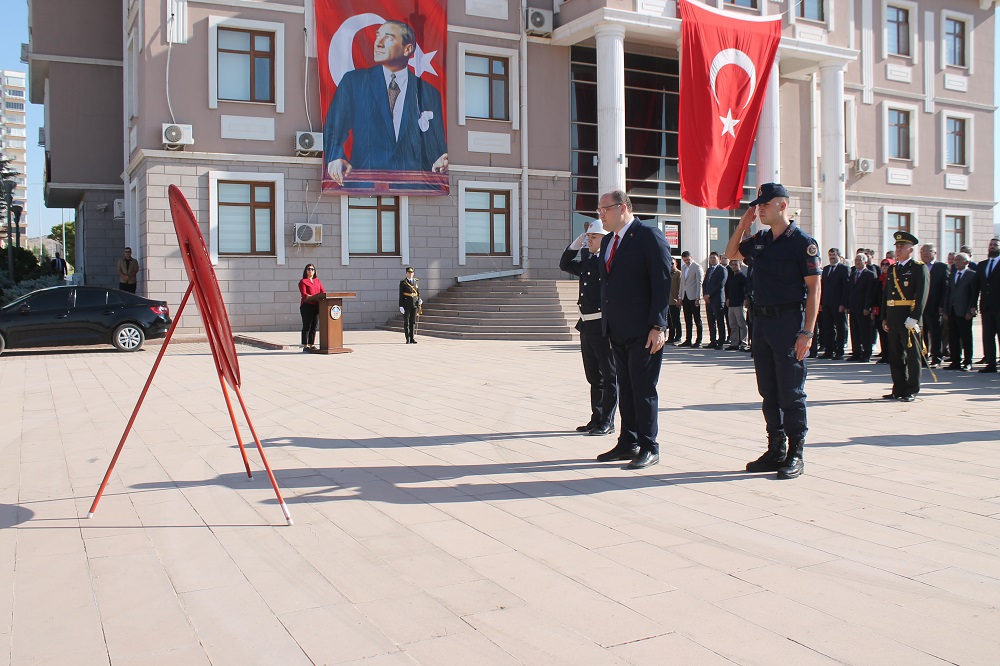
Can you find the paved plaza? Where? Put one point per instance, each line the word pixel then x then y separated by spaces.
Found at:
pixel 446 513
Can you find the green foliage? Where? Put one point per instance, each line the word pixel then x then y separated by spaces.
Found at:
pixel 5 172
pixel 10 292
pixel 56 235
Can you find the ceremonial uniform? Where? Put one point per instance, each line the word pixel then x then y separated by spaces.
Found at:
pixel 598 361
pixel 409 301
pixel 903 299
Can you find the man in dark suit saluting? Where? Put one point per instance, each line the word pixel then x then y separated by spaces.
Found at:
pixel 394 116
pixel 635 274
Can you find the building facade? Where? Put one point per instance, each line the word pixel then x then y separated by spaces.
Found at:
pixel 879 118
pixel 13 141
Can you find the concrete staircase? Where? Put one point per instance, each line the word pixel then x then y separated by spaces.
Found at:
pixel 500 309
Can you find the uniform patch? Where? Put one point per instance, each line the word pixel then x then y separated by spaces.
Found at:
pixel 812 249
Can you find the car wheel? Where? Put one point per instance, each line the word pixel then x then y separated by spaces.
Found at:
pixel 128 337
pixel 3 343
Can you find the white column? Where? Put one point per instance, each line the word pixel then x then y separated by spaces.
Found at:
pixel 833 198
pixel 610 107
pixel 769 133
pixel 694 231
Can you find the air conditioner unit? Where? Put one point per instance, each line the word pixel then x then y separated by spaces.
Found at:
pixel 308 234
pixel 25 53
pixel 41 137
pixel 176 136
pixel 864 166
pixel 119 209
pixel 308 143
pixel 538 22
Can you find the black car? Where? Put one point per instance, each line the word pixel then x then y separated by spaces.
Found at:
pixel 82 316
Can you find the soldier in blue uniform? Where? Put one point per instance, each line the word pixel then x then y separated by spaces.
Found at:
pixel 580 259
pixel 903 301
pixel 786 276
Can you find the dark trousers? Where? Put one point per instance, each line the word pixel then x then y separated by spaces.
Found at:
pixel 960 330
pixel 716 319
pixel 638 372
pixel 932 333
pixel 599 367
pixel 692 311
pixel 903 355
pixel 781 379
pixel 861 335
pixel 833 328
pixel 991 328
pixel 674 323
pixel 130 288
pixel 310 319
pixel 409 322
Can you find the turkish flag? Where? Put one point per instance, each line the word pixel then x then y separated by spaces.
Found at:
pixel 725 68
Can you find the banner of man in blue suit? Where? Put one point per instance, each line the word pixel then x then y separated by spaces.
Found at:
pixel 382 88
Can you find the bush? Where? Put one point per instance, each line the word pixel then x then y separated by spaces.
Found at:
pixel 26 265
pixel 23 287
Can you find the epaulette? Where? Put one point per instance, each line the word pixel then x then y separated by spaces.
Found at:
pixel 918 262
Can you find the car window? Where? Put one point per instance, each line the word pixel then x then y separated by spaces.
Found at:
pixel 115 298
pixel 56 299
pixel 90 298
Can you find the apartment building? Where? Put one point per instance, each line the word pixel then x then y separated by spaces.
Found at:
pixel 13 141
pixel 878 117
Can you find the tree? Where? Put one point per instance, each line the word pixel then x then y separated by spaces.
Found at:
pixel 6 172
pixel 69 253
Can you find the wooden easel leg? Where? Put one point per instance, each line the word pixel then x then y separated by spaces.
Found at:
pixel 232 417
pixel 138 404
pixel 260 449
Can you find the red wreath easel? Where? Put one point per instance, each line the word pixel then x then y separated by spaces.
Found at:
pixel 205 287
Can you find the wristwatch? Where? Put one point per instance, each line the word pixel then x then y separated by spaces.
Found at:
pixel 661 329
pixel 808 334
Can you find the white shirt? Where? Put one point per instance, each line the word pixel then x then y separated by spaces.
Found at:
pixel 402 77
pixel 619 234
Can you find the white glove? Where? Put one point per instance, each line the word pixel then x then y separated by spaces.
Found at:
pixel 402 310
pixel 420 301
pixel 912 324
pixel 580 241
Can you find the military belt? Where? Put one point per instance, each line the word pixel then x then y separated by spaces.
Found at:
pixel 590 317
pixel 908 304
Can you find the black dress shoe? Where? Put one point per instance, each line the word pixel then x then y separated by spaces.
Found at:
pixel 838 357
pixel 619 453
pixel 988 368
pixel 732 348
pixel 585 428
pixel 907 398
pixel 966 367
pixel 644 459
pixel 827 355
pixel 953 366
pixel 890 396
pixel 709 345
pixel 606 429
pixel 686 343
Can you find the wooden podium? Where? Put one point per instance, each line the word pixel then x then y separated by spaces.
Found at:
pixel 331 322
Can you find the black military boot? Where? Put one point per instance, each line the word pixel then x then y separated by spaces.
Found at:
pixel 793 461
pixel 773 458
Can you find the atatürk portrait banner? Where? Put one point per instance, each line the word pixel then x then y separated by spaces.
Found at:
pixel 383 91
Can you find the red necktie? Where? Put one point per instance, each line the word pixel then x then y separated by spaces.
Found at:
pixel 614 246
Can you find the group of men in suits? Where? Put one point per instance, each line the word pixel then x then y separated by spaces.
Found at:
pixel 724 303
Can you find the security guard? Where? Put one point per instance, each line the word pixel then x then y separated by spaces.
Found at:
pixel 903 301
pixel 786 276
pixel 598 362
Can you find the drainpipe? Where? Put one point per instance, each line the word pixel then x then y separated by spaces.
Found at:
pixel 523 50
pixel 817 215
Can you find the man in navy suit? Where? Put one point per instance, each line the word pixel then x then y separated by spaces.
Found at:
pixel 635 277
pixel 988 284
pixel 934 309
pixel 860 303
pixel 959 311
pixel 714 290
pixel 394 116
pixel 835 292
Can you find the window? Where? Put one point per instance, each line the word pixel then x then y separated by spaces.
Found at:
pixel 16 81
pixel 16 131
pixel 57 299
pixel 374 225
pixel 899 218
pixel 955 141
pixel 954 233
pixel 246 65
pixel 91 298
pixel 752 4
pixel 14 93
pixel 246 62
pixel 897 21
pixel 246 218
pixel 487 87
pixel 487 216
pixel 15 143
pixel 899 134
pixel 14 106
pixel 488 82
pixel 954 42
pixel 809 9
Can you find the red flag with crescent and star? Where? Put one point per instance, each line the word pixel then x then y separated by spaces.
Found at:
pixel 725 68
pixel 386 147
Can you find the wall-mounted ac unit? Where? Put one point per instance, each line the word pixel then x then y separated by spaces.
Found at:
pixel 538 22
pixel 308 234
pixel 41 137
pixel 864 166
pixel 119 209
pixel 176 136
pixel 308 143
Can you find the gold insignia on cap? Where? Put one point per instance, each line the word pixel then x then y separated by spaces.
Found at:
pixel 812 249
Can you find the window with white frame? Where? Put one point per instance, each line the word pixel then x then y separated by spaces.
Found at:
pixel 488 84
pixel 899 125
pixel 14 93
pixel 956 40
pixel 957 141
pixel 373 225
pixel 812 10
pixel 898 222
pixel 899 29
pixel 14 106
pixel 246 62
pixel 487 222
pixel 751 4
pixel 954 232
pixel 246 214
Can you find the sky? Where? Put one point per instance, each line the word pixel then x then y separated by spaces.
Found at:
pixel 14 32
